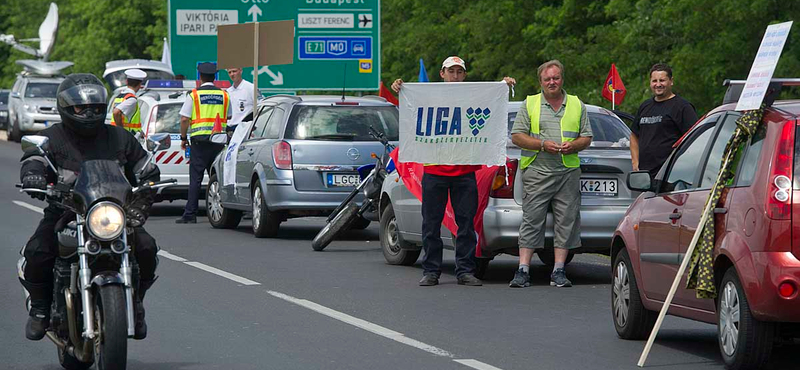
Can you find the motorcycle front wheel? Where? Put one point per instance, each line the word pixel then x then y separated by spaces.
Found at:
pixel 338 224
pixel 111 344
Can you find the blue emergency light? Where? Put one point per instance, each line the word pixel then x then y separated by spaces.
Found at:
pixel 163 84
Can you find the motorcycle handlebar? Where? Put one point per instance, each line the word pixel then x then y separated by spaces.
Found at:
pixel 155 185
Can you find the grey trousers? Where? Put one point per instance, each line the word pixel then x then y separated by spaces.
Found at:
pixel 562 192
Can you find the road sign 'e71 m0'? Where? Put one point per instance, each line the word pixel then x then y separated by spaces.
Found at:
pixel 335 40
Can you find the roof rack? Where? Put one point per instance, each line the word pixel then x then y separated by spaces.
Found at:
pixel 735 88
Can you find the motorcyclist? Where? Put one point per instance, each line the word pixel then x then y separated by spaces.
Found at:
pixel 82 135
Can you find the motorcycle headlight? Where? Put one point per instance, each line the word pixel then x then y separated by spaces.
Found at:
pixel 106 221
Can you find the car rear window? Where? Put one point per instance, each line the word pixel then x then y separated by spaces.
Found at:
pixel 342 123
pixel 41 90
pixel 609 132
pixel 168 118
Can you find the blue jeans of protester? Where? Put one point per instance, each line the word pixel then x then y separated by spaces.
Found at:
pixel 463 191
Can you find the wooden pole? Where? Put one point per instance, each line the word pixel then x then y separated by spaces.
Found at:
pixel 681 270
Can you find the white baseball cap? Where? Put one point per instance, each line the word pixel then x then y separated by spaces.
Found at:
pixel 453 61
pixel 135 74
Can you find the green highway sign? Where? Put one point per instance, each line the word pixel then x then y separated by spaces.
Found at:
pixel 337 42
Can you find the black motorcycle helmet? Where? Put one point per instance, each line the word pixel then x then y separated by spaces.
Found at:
pixel 81 101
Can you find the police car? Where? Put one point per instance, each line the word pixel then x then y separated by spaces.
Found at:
pixel 160 104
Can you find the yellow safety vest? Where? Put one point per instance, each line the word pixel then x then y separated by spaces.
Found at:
pixel 570 129
pixel 208 103
pixel 135 125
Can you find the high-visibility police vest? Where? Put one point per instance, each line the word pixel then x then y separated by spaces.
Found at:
pixel 570 129
pixel 135 125
pixel 208 101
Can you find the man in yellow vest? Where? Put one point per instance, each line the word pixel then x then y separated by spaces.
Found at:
pixel 206 107
pixel 126 106
pixel 551 129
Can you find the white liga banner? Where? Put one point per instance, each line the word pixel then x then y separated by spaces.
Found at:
pixel 454 123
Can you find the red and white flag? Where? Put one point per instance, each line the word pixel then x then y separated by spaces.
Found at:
pixel 614 89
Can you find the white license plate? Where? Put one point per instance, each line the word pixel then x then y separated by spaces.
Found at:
pixel 343 179
pixel 599 187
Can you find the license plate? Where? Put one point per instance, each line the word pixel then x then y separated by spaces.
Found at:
pixel 343 179
pixel 599 187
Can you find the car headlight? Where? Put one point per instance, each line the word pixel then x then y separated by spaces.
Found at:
pixel 30 108
pixel 106 221
pixel 3 113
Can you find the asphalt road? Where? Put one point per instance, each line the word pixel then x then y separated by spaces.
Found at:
pixel 226 300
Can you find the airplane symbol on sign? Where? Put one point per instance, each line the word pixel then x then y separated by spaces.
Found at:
pixel 365 20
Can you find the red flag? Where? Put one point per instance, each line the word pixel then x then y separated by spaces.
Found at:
pixel 411 174
pixel 614 86
pixel 217 125
pixel 386 94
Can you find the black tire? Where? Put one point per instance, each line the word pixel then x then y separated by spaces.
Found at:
pixel 631 319
pixel 359 223
pixel 218 216
pixel 14 133
pixel 548 256
pixel 391 242
pixel 111 345
pixel 754 339
pixel 339 223
pixel 69 362
pixel 481 265
pixel 265 222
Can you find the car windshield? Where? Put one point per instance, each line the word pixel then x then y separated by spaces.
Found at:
pixel 342 123
pixel 168 118
pixel 3 97
pixel 41 90
pixel 117 79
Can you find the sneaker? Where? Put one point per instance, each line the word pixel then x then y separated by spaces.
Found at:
pixel 469 280
pixel 429 280
pixel 521 280
pixel 559 279
pixel 184 220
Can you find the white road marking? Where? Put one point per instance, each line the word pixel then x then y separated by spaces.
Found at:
pixel 362 324
pixel 171 256
pixel 475 364
pixel 224 274
pixel 28 206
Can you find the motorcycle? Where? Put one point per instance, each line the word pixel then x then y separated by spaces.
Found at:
pixel 92 314
pixel 372 176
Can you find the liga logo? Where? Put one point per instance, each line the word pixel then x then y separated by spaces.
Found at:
pixel 436 124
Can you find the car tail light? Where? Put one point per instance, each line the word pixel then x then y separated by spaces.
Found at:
pixel 786 289
pixel 346 103
pixel 282 155
pixel 500 187
pixel 779 193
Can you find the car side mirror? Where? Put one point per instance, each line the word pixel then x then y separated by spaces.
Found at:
pixel 14 94
pixel 640 181
pixel 157 142
pixel 221 138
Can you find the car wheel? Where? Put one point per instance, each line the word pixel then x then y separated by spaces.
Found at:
pixel 631 319
pixel 744 342
pixel 548 256
pixel 391 242
pixel 360 223
pixel 265 222
pixel 14 133
pixel 218 216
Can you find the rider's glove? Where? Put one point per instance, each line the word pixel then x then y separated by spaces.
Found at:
pixel 35 181
pixel 136 216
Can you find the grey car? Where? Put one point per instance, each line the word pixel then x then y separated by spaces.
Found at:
pixel 300 159
pixel 604 200
pixel 4 108
pixel 32 104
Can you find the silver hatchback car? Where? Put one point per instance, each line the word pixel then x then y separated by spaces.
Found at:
pixel 604 167
pixel 300 159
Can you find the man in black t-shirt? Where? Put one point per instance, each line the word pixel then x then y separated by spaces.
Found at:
pixel 660 122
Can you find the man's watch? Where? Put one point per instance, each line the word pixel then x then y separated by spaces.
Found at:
pixel 184 138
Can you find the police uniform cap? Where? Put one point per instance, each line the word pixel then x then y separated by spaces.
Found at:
pixel 207 68
pixel 135 74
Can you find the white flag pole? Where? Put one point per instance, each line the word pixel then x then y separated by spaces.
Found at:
pixel 681 270
pixel 255 66
pixel 613 94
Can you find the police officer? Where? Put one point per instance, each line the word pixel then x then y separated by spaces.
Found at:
pixel 203 108
pixel 82 135
pixel 126 106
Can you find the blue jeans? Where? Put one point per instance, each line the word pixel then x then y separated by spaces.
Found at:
pixel 463 191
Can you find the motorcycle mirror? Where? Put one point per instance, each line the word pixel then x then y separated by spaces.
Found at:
pixel 158 142
pixel 38 142
pixel 221 138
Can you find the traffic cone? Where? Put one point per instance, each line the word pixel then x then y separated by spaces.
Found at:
pixel 217 125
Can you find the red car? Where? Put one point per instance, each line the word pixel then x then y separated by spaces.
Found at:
pixel 757 245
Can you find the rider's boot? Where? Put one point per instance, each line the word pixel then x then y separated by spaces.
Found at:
pixel 140 328
pixel 41 296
